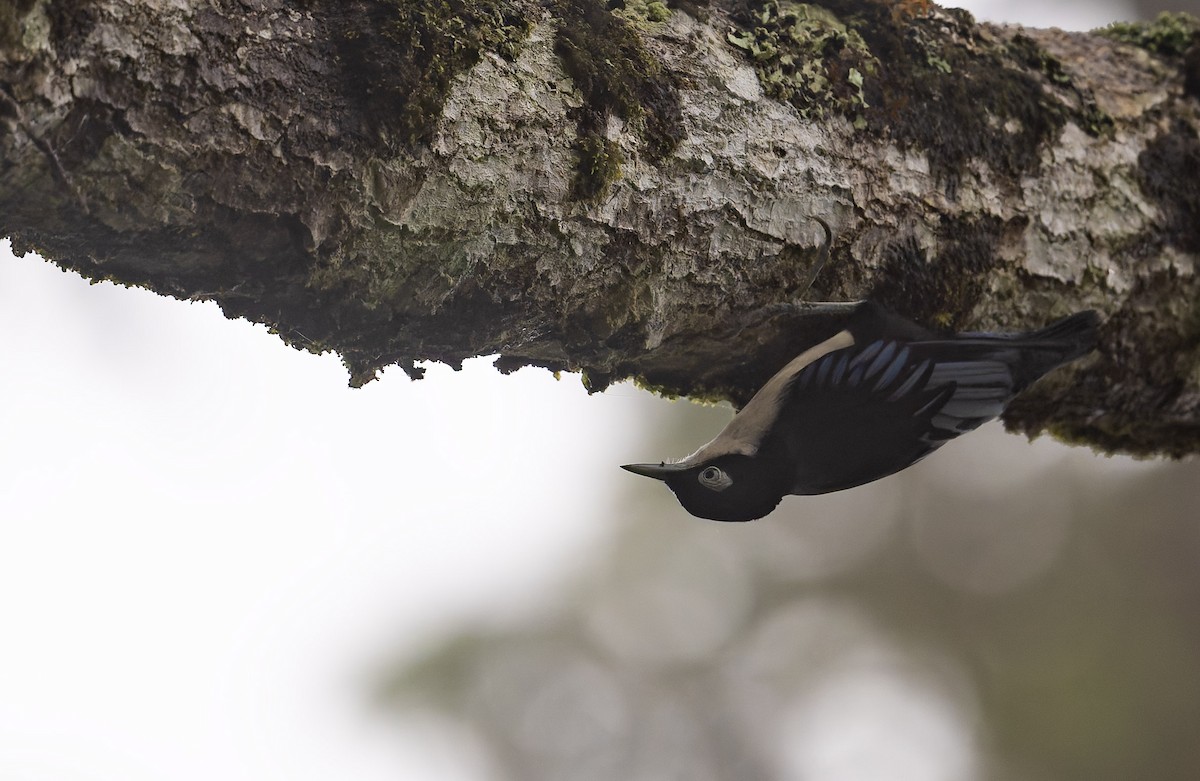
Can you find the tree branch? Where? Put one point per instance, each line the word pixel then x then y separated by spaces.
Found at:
pixel 629 193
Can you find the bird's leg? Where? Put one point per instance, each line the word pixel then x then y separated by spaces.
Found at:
pixel 822 257
pixel 821 307
pixel 799 306
pixel 813 307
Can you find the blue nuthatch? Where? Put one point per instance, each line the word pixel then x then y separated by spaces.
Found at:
pixel 873 399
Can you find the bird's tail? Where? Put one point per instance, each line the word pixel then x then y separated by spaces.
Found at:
pixel 1075 333
pixel 1040 351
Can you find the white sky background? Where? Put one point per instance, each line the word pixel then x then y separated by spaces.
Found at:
pixel 205 536
pixel 206 533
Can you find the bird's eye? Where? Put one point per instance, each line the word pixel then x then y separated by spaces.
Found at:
pixel 714 478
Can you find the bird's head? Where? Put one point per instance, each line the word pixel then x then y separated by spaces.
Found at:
pixel 726 488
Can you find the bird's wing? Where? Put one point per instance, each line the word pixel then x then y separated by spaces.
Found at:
pixel 864 412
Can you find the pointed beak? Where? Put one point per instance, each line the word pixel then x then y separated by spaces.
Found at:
pixel 657 471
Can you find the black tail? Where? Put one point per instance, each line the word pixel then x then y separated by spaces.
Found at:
pixel 1064 340
pixel 1076 332
pixel 1040 351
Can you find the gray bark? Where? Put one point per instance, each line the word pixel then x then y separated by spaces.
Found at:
pixel 628 194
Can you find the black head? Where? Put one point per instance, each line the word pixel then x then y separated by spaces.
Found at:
pixel 726 488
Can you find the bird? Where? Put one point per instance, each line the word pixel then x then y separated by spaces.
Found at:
pixel 875 398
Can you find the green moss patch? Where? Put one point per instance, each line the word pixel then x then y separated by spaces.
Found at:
pixel 806 56
pixel 399 57
pixel 12 15
pixel 912 72
pixel 1090 117
pixel 605 57
pixel 1169 34
pixel 947 91
pixel 641 13
pixel 599 165
pixel 1175 36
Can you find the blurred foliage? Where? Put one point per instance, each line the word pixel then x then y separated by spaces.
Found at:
pixel 1003 611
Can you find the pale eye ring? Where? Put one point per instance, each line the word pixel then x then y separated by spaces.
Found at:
pixel 714 478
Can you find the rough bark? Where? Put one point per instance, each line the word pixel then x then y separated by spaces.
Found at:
pixel 625 192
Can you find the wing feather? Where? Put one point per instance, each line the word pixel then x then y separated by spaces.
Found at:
pixel 883 359
pixel 893 370
pixel 863 412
